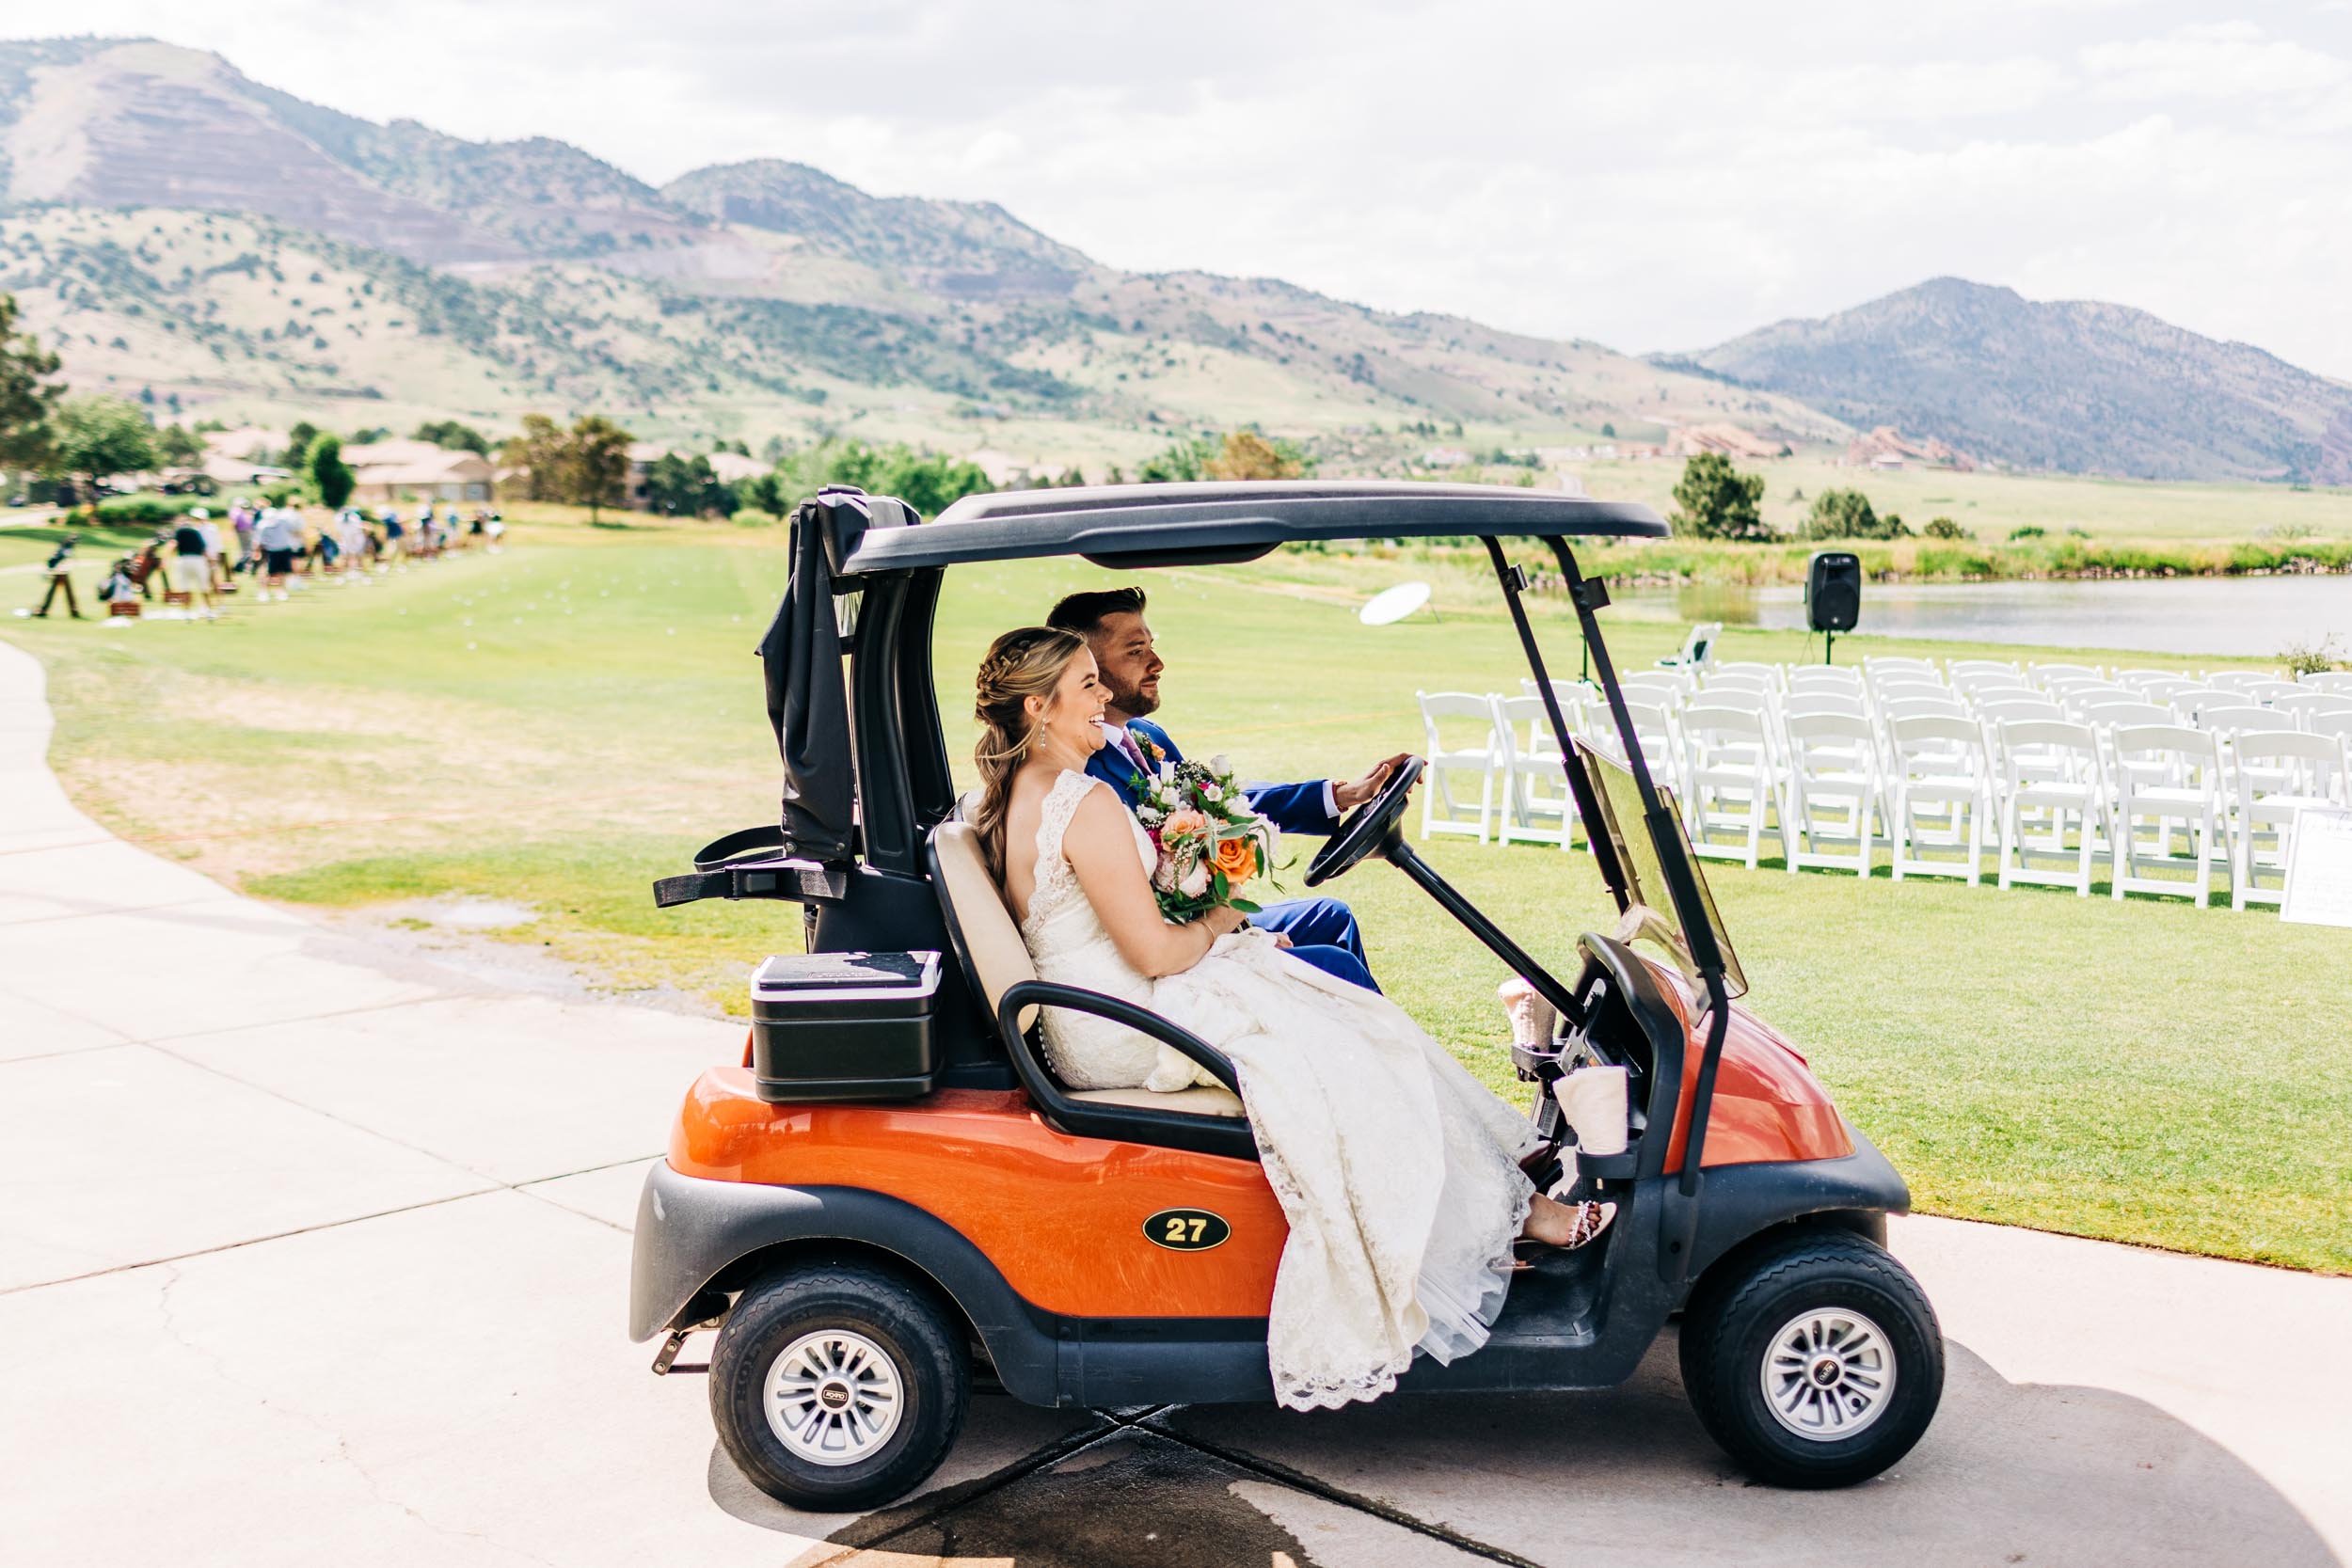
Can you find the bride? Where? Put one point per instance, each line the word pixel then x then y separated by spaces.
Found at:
pixel 1399 1173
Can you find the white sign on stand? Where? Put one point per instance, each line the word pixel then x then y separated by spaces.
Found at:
pixel 2319 868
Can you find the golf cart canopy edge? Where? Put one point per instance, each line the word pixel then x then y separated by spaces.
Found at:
pixel 1143 525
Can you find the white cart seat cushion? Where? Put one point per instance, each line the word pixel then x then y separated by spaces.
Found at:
pixel 1200 1100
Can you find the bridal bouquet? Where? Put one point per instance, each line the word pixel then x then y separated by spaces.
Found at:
pixel 1209 841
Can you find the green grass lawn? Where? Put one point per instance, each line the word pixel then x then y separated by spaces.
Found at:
pixel 561 723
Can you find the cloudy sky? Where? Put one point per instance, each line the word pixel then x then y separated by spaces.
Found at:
pixel 1652 175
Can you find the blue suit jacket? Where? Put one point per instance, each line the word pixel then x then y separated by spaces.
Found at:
pixel 1293 808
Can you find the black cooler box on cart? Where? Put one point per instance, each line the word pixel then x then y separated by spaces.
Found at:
pixel 833 1026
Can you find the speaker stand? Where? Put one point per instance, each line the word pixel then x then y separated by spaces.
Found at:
pixel 1829 646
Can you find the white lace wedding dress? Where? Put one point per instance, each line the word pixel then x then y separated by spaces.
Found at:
pixel 1397 1170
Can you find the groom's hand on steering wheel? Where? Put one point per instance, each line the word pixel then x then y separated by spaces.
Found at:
pixel 1348 797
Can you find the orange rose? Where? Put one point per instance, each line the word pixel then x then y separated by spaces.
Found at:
pixel 1183 823
pixel 1238 859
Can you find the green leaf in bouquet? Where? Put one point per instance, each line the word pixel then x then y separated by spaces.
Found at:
pixel 1245 907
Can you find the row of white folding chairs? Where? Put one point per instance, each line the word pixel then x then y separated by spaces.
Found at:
pixel 2232 806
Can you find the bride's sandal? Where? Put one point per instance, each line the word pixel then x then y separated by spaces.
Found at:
pixel 1591 1220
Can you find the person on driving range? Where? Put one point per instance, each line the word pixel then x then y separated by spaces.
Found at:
pixel 1322 931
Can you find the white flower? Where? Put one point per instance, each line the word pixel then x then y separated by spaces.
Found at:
pixel 1167 772
pixel 1163 874
pixel 1221 765
pixel 1150 816
pixel 1195 882
pixel 1214 794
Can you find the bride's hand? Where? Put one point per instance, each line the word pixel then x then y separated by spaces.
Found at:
pixel 1224 918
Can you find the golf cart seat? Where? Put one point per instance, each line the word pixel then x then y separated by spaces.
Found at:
pixel 989 945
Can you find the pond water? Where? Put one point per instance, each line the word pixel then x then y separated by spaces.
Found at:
pixel 2250 617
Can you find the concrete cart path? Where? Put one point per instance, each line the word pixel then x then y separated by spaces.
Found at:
pixel 308 1248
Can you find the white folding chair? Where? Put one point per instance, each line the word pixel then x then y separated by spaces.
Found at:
pixel 1825 677
pixel 2274 775
pixel 1968 668
pixel 2186 704
pixel 2051 768
pixel 2165 774
pixel 2239 680
pixel 1832 791
pixel 1879 665
pixel 2327 680
pixel 1941 792
pixel 2302 705
pixel 1764 677
pixel 1975 686
pixel 1577 699
pixel 2164 690
pixel 1912 690
pixel 2270 690
pixel 1656 732
pixel 1665 687
pixel 2104 713
pixel 2333 721
pixel 1698 649
pixel 2228 720
pixel 1801 704
pixel 2140 680
pixel 1537 807
pixel 1730 771
pixel 1458 728
pixel 2043 674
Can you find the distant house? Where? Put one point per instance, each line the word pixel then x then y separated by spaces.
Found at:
pixel 726 467
pixel 1886 448
pixel 1728 440
pixel 249 444
pixel 1444 457
pixel 388 472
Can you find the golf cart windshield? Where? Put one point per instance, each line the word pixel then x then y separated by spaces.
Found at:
pixel 1622 819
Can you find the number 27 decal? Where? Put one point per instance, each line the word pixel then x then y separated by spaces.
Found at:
pixel 1186 1229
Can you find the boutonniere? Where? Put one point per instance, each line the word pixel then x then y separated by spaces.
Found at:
pixel 1143 743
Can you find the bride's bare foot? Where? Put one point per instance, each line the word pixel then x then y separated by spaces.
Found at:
pixel 1566 1224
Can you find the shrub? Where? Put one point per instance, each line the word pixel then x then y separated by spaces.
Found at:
pixel 2310 658
pixel 140 511
pixel 2029 531
pixel 1944 527
pixel 1847 515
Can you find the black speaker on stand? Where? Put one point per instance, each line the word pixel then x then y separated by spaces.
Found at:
pixel 1833 597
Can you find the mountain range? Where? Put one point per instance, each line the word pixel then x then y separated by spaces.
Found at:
pixel 182 233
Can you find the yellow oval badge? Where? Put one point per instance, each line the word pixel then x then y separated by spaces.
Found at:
pixel 1186 1229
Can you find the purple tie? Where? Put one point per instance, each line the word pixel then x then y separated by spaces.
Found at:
pixel 1133 753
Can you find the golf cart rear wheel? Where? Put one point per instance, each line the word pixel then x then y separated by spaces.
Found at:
pixel 1817 1363
pixel 838 1387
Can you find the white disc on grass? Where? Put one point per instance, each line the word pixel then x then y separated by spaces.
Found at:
pixel 1391 605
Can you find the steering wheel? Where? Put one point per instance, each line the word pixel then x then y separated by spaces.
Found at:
pixel 1366 826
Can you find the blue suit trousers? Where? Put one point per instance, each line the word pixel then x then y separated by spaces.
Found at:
pixel 1324 932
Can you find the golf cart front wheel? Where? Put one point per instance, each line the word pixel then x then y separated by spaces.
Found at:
pixel 1819 1363
pixel 838 1386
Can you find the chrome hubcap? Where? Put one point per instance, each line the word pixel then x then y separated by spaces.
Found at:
pixel 834 1397
pixel 1828 1374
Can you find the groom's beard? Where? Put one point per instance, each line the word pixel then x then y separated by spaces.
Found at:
pixel 1135 702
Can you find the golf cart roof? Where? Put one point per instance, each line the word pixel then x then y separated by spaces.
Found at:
pixel 1144 525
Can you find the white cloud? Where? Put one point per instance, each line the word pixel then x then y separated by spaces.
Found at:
pixel 1661 176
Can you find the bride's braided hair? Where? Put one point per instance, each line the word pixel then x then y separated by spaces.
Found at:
pixel 1025 662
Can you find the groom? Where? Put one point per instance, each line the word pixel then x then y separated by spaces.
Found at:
pixel 1323 932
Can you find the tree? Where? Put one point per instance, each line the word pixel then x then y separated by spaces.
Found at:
pixel 1944 527
pixel 1847 514
pixel 98 437
pixel 1247 454
pixel 542 453
pixel 1179 464
pixel 453 435
pixel 27 401
pixel 298 441
pixel 1714 500
pixel 329 474
pixel 686 486
pixel 1610 431
pixel 596 462
pixel 178 447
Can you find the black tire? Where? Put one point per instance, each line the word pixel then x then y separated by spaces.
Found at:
pixel 1730 1330
pixel 916 1334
